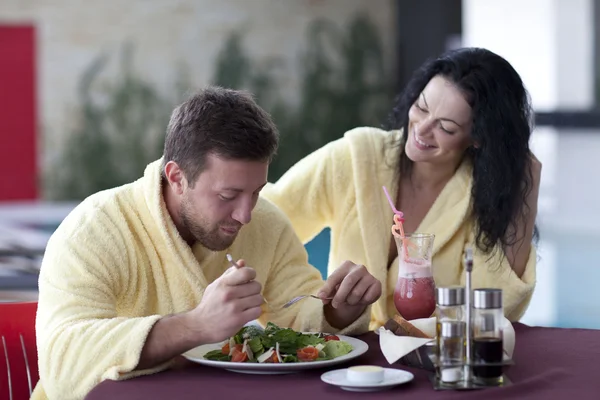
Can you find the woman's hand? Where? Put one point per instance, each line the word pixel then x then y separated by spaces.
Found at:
pixel 352 288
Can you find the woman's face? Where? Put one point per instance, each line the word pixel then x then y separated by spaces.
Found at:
pixel 439 124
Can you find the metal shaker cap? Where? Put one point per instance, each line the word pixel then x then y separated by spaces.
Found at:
pixel 487 298
pixel 450 296
pixel 452 328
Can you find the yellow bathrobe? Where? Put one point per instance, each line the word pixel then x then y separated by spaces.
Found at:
pixel 117 264
pixel 340 186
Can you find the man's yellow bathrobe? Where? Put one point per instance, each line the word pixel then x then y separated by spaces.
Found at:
pixel 340 186
pixel 117 264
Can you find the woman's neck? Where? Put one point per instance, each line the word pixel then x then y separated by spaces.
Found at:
pixel 428 176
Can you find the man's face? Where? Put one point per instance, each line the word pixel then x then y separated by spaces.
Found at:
pixel 222 200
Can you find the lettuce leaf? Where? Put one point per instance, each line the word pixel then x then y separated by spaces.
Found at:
pixel 248 332
pixel 288 339
pixel 256 346
pixel 290 359
pixel 336 348
pixel 217 355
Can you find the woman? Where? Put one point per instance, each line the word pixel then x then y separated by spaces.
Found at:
pixel 459 165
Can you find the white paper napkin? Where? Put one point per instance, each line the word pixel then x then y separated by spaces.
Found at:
pixel 395 347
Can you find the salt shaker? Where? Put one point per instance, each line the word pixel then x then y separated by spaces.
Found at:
pixel 451 351
pixel 487 336
pixel 450 303
pixel 450 307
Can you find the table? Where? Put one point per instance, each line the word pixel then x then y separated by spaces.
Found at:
pixel 550 363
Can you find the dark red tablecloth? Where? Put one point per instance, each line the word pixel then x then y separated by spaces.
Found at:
pixel 550 363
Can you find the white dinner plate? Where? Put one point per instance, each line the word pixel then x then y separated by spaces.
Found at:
pixel 391 377
pixel 197 355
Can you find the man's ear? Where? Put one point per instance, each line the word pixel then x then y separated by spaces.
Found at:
pixel 175 177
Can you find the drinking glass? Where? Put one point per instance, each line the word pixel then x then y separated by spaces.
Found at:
pixel 414 295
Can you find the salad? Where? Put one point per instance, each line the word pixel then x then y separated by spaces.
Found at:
pixel 279 345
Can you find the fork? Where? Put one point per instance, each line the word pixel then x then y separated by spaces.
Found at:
pixel 289 303
pixel 298 298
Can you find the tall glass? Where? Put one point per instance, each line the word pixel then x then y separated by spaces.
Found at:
pixel 414 296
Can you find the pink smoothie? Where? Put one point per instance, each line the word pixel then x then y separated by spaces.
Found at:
pixel 414 296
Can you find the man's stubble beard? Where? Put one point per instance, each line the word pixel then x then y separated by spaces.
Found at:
pixel 207 238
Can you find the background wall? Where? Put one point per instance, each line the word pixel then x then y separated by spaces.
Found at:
pixel 89 51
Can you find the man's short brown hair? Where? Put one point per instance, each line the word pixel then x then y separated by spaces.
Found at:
pixel 224 122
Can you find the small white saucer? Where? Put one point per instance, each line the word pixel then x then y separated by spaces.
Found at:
pixel 391 377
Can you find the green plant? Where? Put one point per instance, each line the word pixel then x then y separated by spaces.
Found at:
pixel 343 85
pixel 119 131
pixel 121 123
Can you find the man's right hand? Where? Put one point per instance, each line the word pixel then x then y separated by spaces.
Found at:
pixel 228 303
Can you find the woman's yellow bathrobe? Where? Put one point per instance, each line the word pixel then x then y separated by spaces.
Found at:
pixel 340 186
pixel 117 264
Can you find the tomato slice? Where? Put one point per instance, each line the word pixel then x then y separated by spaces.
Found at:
pixel 238 355
pixel 225 348
pixel 308 353
pixel 273 359
pixel 331 337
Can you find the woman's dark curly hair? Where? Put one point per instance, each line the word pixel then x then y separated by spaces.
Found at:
pixel 502 125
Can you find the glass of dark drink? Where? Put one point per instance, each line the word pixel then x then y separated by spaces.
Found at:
pixel 488 349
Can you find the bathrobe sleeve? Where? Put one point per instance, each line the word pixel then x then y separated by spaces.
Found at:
pixel 291 275
pixel 80 339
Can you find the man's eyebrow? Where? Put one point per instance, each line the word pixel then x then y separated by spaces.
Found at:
pixel 234 189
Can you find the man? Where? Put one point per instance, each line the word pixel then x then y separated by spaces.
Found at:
pixel 137 275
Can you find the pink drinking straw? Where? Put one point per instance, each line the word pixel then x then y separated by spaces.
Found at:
pixel 398 224
pixel 398 213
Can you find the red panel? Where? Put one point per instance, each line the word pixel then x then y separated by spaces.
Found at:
pixel 17 320
pixel 18 123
